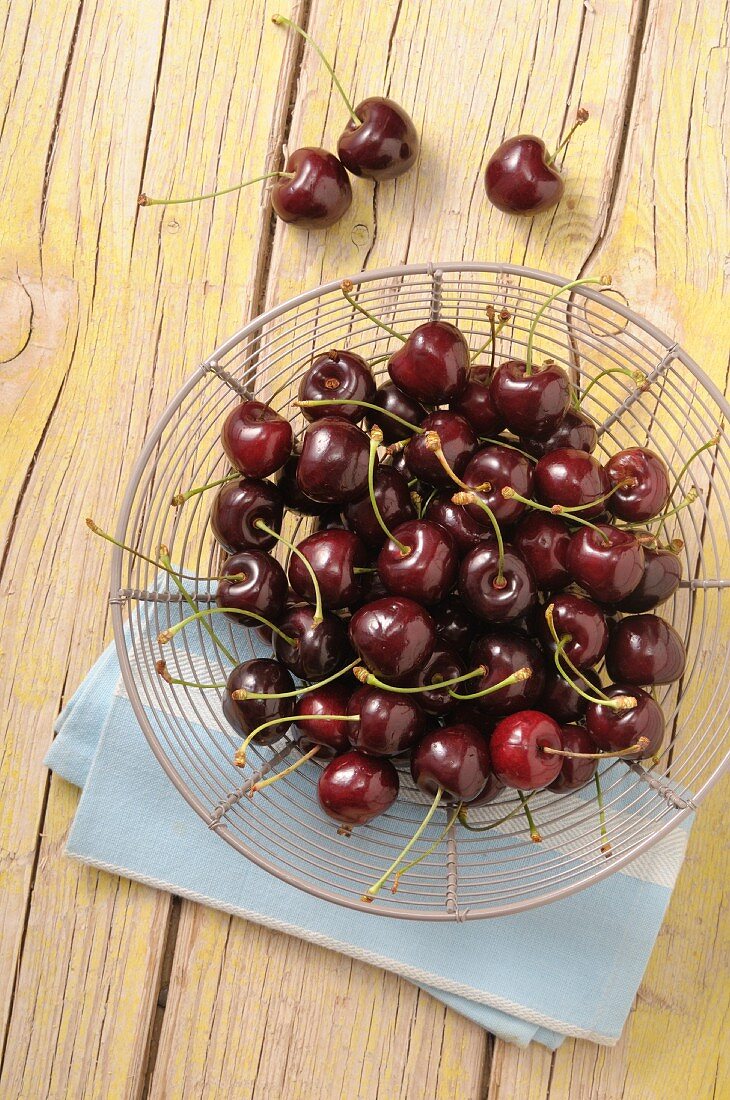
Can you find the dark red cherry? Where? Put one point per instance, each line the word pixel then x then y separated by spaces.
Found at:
pixel 261 675
pixel 389 723
pixel 645 649
pixel 649 495
pixel 559 698
pixel 383 145
pixel 516 746
pixel 263 590
pixel 319 648
pixel 371 589
pixel 237 506
pixel 318 195
pixel 519 179
pixel 394 636
pixel 393 498
pixel 455 625
pixel 499 466
pixel 613 729
pixel 334 555
pixel 574 773
pixel 475 404
pixel 531 404
pixel 443 664
pixel 660 580
pixel 607 561
pixel 583 621
pixel 330 735
pixel 542 540
pixel 480 589
pixel 457 521
pixel 389 397
pixel 427 573
pixel 454 759
pixel 433 364
pixel 340 374
pixel 571 478
pixel 503 652
pixel 458 443
pixel 256 439
pixel 355 788
pixel 294 499
pixel 575 430
pixel 494 787
pixel 333 465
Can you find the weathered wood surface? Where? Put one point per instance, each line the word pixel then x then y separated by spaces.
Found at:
pixel 111 989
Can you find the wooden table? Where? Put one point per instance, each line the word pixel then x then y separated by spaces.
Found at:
pixel 110 989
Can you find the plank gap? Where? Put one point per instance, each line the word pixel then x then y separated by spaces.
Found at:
pixel 168 957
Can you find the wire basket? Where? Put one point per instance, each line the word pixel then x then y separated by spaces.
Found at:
pixel 470 874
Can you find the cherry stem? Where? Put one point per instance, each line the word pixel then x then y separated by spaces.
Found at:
pixel 287 771
pixel 606 845
pixel 569 510
pixel 367 678
pixel 145 200
pixel 242 693
pixel 473 498
pixel 580 118
pixel 638 747
pixel 638 377
pixel 376 438
pixel 371 892
pixel 431 848
pixel 504 317
pixel 554 510
pixel 318 616
pixel 167 635
pixel 346 286
pixel 282 21
pixel 667 514
pixel 240 757
pixel 492 824
pixel 534 834
pixel 364 404
pixel 433 444
pixel 422 505
pixel 510 446
pixel 163 671
pixel 692 494
pixel 605 281
pixel 180 498
pixel 517 677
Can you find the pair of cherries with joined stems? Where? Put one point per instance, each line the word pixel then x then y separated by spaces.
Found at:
pixel 313 191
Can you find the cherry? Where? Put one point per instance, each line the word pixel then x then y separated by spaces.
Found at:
pixel 476 405
pixel 542 540
pixel 315 190
pixel 582 622
pixel 571 478
pixel 237 507
pixel 339 374
pixel 575 772
pixel 333 465
pixel 382 144
pixel 615 729
pixel 264 588
pixel 494 598
pixel 388 724
pixel 454 760
pixel 457 521
pixel 256 439
pixel 531 401
pixel 427 571
pixel 371 589
pixel 395 401
pixel 647 493
pixel 433 364
pixel 443 664
pixel 499 467
pixel 319 646
pixel 394 636
pixel 576 430
pixel 294 499
pixel 267 677
pixel 334 555
pixel 457 442
pixel 606 561
pixel 517 745
pixel 504 652
pixel 561 700
pixel 494 787
pixel 355 788
pixel 332 735
pixel 645 649
pixel 661 577
pixel 393 499
pixel 521 178
pixel 455 625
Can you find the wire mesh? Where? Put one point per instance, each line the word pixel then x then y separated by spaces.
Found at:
pixel 470 874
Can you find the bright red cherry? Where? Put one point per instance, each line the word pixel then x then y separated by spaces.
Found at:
pixel 517 745
pixel 318 192
pixel 503 652
pixel 499 467
pixel 394 502
pixel 355 788
pixel 237 507
pixel 263 588
pixel 607 561
pixel 533 403
pixel 333 465
pixel 476 405
pixel 334 555
pixel 481 590
pixel 256 439
pixel 389 723
pixel 542 540
pixel 458 444
pixel 425 573
pixel 337 374
pixel 383 144
pixel 330 735
pixel 433 364
pixel 575 772
pixel 319 648
pixel 613 729
pixel 575 430
pixel 648 492
pixel 571 478
pixel 454 759
pixel 645 649
pixel 662 574
pixel 394 636
pixel 393 400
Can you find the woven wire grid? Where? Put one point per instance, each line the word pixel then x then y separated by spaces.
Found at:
pixel 468 874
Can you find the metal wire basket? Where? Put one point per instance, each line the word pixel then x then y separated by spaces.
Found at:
pixel 468 875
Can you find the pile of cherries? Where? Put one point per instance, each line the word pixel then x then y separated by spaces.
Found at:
pixel 473 566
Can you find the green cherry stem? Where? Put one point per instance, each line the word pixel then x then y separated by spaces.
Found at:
pixel 145 200
pixel 287 771
pixel 240 756
pixel 620 702
pixel 164 673
pixel 637 376
pixel 242 693
pixel 371 892
pixel 431 848
pixel 180 498
pixel 504 317
pixel 534 834
pixel 515 678
pixel 432 443
pixel 548 302
pixel 282 21
pixel 347 286
pixel 606 844
pixel 492 824
pixel 554 509
pixel 688 500
pixel 580 117
pixel 364 404
pixel 510 446
pixel 473 498
pixel 317 617
pixel 640 744
pixel 167 635
pixel 367 678
pixel 376 438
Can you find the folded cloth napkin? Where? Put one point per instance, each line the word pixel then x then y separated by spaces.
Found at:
pixel 570 968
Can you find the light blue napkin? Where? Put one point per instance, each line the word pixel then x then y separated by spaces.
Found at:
pixel 571 968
